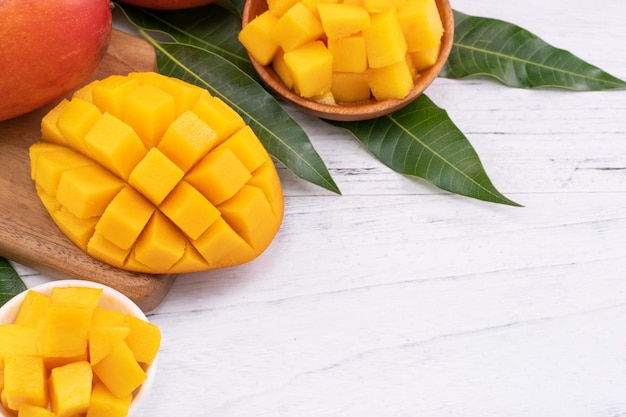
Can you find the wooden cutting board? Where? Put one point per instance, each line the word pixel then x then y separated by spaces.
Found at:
pixel 27 233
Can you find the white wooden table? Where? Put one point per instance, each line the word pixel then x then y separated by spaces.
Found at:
pixel 399 300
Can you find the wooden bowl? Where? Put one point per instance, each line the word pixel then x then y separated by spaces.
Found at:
pixel 362 110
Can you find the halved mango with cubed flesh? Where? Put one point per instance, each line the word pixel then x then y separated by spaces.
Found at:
pixel 99 382
pixel 373 39
pixel 150 174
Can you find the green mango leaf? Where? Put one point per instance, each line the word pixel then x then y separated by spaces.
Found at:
pixel 10 282
pixel 278 132
pixel 421 141
pixel 213 28
pixel 518 58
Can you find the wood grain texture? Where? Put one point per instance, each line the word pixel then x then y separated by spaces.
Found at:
pixel 27 233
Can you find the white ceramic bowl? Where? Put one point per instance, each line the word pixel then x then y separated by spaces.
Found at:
pixel 112 300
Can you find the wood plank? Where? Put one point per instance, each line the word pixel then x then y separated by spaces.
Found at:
pixel 27 233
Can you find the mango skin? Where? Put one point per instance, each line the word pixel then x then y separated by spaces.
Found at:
pixel 168 4
pixel 47 49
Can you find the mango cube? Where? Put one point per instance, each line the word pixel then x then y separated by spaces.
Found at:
pixel 226 174
pixel 279 7
pixel 86 191
pixel 106 317
pixel 340 20
pixel 75 121
pixel 103 249
pixel 25 381
pixel 237 211
pixel 70 389
pixel 103 339
pixel 108 94
pixel 312 5
pixel 125 217
pixel 384 40
pixel 279 66
pixel 78 230
pixel 143 340
pixel 149 110
pixel 421 24
pixel 181 205
pixel 256 38
pixel 82 297
pixel 311 68
pixel 64 331
pixel 378 6
pixel 32 309
pixel 247 148
pixel 155 176
pixel 296 27
pixel 219 116
pixel 350 87
pixel 185 95
pixel 349 54
pixel 425 59
pixel 28 410
pixel 391 82
pixel 49 128
pixel 17 339
pixel 219 242
pixel 51 162
pixel 104 404
pixel 161 244
pixel 119 371
pixel 187 140
pixel 115 144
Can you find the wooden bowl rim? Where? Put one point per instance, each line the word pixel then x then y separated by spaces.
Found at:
pixel 359 110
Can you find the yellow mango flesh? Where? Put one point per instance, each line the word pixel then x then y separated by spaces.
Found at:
pixel 32 309
pixel 296 27
pixel 137 180
pixel 104 404
pixel 17 339
pixel 28 410
pixel 25 381
pixel 341 20
pixel 368 40
pixel 70 389
pixel 310 67
pixel 119 371
pixel 100 382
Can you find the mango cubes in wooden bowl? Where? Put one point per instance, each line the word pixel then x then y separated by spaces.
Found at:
pixel 75 348
pixel 151 174
pixel 348 59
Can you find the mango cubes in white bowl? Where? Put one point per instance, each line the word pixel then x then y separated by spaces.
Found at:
pixel 75 348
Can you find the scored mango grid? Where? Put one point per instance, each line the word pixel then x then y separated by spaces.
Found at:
pixel 190 186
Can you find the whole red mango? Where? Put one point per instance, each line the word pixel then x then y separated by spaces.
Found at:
pixel 48 48
pixel 168 4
